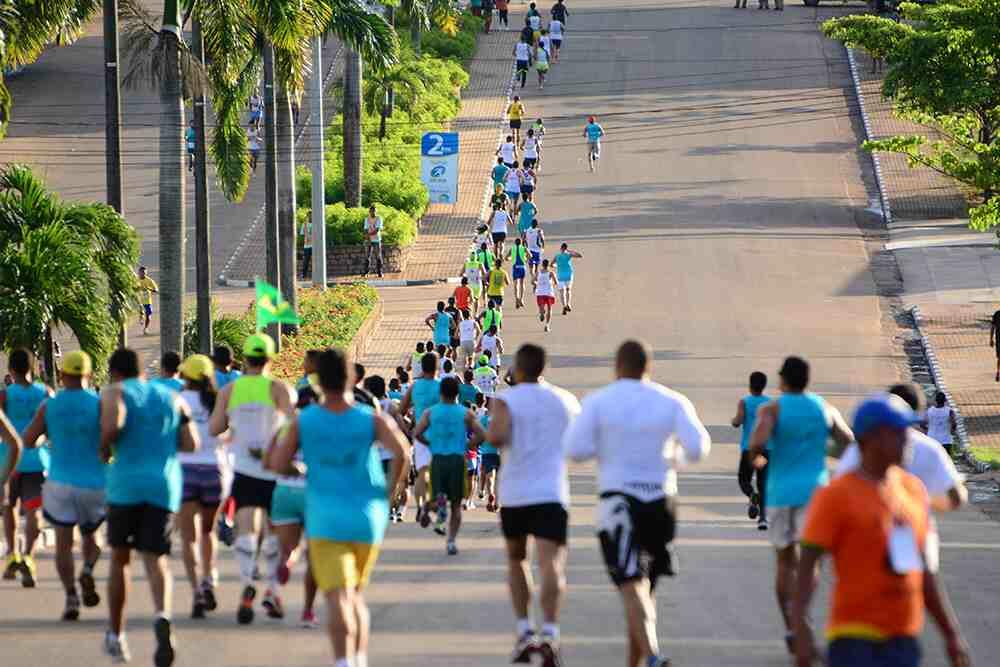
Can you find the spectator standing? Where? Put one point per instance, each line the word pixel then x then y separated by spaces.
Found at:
pixel 995 339
pixel 373 239
pixel 307 247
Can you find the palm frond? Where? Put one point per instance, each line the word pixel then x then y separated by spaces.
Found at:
pixel 365 32
pixel 229 142
pixel 144 49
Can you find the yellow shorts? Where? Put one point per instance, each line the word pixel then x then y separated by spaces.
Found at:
pixel 341 564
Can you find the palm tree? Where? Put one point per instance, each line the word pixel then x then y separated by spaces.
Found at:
pixel 61 264
pixel 353 110
pixel 401 80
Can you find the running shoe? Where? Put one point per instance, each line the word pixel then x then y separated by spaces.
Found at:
pixel 762 524
pixel 549 648
pixel 28 572
pixel 72 610
pixel 541 317
pixel 13 567
pixel 753 509
pixel 452 549
pixel 117 648
pixel 308 620
pixel 442 515
pixel 224 530
pixel 164 655
pixel 526 646
pixel 547 328
pixel 482 494
pixel 91 598
pixel 273 605
pixel 208 592
pixel 657 661
pixel 244 615
pixel 424 517
pixel 198 607
pixel 491 504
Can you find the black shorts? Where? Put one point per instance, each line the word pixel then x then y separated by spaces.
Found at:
pixel 547 521
pixel 250 491
pixel 499 237
pixel 556 42
pixel 454 342
pixel 491 462
pixel 635 537
pixel 495 298
pixel 529 162
pixel 522 66
pixel 26 487
pixel 515 123
pixel 448 476
pixel 143 527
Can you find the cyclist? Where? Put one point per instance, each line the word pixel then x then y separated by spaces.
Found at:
pixel 593 132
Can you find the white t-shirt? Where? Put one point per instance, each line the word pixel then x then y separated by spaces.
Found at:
pixel 544 286
pixel 535 22
pixel 533 239
pixel 556 29
pixel 632 428
pixel 474 274
pixel 507 151
pixel 208 453
pixel 500 220
pixel 543 42
pixel 489 342
pixel 513 181
pixel 529 176
pixel 530 147
pixel 939 423
pixel 466 330
pixel 522 51
pixel 533 467
pixel 924 458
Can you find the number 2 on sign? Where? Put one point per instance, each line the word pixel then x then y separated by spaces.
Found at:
pixel 438 141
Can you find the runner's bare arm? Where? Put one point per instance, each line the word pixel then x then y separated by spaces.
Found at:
pixel 284 397
pixel 392 439
pixel 429 320
pixel 112 419
pixel 188 439
pixel 218 423
pixel 404 405
pixel 498 433
pixel 9 436
pixel 476 433
pixel 767 417
pixel 421 427
pixel 939 607
pixel 741 415
pixel 806 575
pixel 35 430
pixel 288 444
pixel 840 432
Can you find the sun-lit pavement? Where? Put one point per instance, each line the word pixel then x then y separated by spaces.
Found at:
pixel 721 228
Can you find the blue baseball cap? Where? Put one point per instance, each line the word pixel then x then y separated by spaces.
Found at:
pixel 882 410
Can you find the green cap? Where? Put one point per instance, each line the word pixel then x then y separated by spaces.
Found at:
pixel 484 360
pixel 259 345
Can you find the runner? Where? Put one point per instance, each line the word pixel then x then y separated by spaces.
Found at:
pixel 10 454
pixel 527 423
pixel 746 416
pixel 526 214
pixel 515 115
pixel 73 494
pixel 541 61
pixel 442 324
pixel 468 334
pixel 593 132
pixel 422 394
pixel 347 499
pixel 545 297
pixel 487 260
pixel 170 373
pixel 491 343
pixel 143 426
pixel 534 21
pixel 413 363
pixel 796 427
pixel 485 377
pixel 252 408
pixel 468 393
pixel 456 315
pixel 375 385
pixel 633 427
pixel 519 256
pixel 256 109
pixel 531 148
pixel 559 12
pixel 222 357
pixel 513 186
pixel 491 317
pixel 534 239
pixel 498 222
pixel 874 522
pixel 498 281
pixel 253 145
pixel 564 275
pixel 507 151
pixel 202 491
pixel 556 33
pixel 522 60
pixel 941 421
pixel 449 430
pixel 462 296
pixel 472 274
pixel 490 459
pixel 189 139
pixel 20 401
pixel 499 173
pixel 528 183
pixel 472 462
pixel 499 200
pixel 148 288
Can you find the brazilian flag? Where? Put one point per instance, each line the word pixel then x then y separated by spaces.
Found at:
pixel 271 307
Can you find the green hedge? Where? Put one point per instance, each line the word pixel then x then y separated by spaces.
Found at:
pixel 345 226
pixel 401 191
pixel 461 46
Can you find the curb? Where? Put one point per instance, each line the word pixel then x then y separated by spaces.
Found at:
pixel 876 162
pixel 938 376
pixel 231 282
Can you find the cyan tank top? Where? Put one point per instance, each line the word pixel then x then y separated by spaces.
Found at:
pixel 564 266
pixel 22 404
pixel 73 422
pixel 485 447
pixel 797 463
pixel 442 328
pixel 425 394
pixel 447 433
pixel 345 486
pixel 750 405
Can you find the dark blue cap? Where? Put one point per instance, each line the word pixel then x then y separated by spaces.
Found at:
pixel 882 410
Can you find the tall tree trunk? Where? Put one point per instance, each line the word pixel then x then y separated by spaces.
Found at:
pixel 353 157
pixel 286 197
pixel 171 182
pixel 318 177
pixel 390 93
pixel 202 233
pixel 112 135
pixel 415 36
pixel 271 184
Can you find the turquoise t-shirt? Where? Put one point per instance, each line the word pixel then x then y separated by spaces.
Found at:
pixel 395 395
pixel 442 329
pixel 346 497
pixel 447 433
pixel 222 378
pixel 527 214
pixel 467 393
pixel 485 447
pixel 22 404
pixel 594 131
pixel 145 468
pixel 797 462
pixel 425 394
pixel 564 267
pixel 750 405
pixel 500 173
pixel 73 423
pixel 173 384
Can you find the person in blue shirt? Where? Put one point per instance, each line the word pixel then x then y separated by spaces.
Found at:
pixel 170 372
pixel 347 497
pixel 21 401
pixel 564 275
pixel 593 132
pixel 794 428
pixel 442 324
pixel 73 495
pixel 222 357
pixel 490 460
pixel 190 138
pixel 746 416
pixel 143 425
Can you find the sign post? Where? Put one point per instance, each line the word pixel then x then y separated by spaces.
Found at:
pixel 439 166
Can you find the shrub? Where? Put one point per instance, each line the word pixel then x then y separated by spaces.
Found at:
pixel 345 226
pixel 228 329
pixel 401 191
pixel 461 46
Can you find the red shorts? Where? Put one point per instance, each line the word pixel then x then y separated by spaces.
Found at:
pixel 545 300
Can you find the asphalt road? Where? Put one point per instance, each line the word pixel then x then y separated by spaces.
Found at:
pixel 721 227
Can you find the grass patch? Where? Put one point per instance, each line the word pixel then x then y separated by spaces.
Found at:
pixel 987 455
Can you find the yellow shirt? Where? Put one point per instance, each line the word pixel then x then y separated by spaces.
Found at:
pixel 498 280
pixel 515 111
pixel 148 285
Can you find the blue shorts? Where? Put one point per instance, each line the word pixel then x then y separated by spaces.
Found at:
pixel 491 462
pixel 147 308
pixel 896 651
pixel 519 272
pixel 288 505
pixel 513 195
pixel 536 257
pixel 202 484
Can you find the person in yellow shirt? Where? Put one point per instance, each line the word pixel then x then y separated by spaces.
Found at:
pixel 496 284
pixel 515 112
pixel 148 287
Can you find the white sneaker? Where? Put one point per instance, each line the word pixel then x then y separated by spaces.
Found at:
pixel 117 648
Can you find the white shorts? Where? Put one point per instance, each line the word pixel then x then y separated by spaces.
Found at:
pixel 468 347
pixel 564 284
pixel 65 505
pixel 785 525
pixel 421 455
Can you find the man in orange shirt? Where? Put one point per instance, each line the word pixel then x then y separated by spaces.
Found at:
pixel 463 295
pixel 875 523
